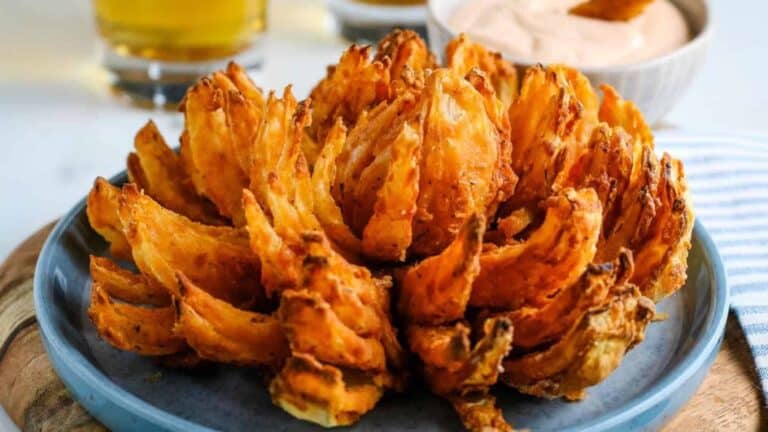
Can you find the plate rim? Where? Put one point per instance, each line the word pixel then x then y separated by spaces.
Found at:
pixel 98 382
pixel 699 354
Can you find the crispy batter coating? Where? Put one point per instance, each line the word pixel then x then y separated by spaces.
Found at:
pixel 589 101
pixel 452 365
pixel 323 178
pixel 582 90
pixel 389 233
pixel 357 298
pixel 277 147
pixel 324 394
pixel 312 327
pixel 127 286
pixel 461 164
pixel 463 55
pixel 351 290
pixel 610 10
pixel 478 413
pixel 460 142
pixel 662 259
pixel 619 112
pixel 333 313
pixel 638 209
pixel 185 156
pixel 393 168
pixel 535 326
pixel 445 347
pixel 462 373
pixel 353 85
pixel 656 217
pixel 210 146
pixel 218 331
pixel 243 113
pixel 497 112
pixel 544 120
pixel 219 259
pixel 144 330
pixel 510 226
pixel 364 160
pixel 244 84
pixel 551 122
pixel 358 83
pixel 437 289
pixel 158 170
pixel 646 202
pixel 407 54
pixel 433 294
pixel 553 258
pixel 588 353
pixel 280 266
pixel 605 164
pixel 102 211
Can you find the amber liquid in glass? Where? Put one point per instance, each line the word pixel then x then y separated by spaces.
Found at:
pixel 180 30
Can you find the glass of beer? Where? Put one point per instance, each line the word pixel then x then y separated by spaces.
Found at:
pixel 155 49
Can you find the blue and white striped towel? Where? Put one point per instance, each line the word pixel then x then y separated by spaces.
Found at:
pixel 728 178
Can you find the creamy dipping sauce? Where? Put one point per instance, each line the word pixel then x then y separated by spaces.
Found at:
pixel 543 31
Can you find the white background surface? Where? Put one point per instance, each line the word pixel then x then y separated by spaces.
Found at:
pixel 60 126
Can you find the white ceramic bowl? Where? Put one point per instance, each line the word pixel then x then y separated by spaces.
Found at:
pixel 655 85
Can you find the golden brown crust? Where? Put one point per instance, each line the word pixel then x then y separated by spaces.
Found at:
pixel 618 112
pixel 388 233
pixel 218 331
pixel 323 394
pixel 211 147
pixel 462 373
pixel 543 122
pixel 479 413
pixel 158 170
pixel 363 163
pixel 662 258
pixel 570 190
pixel 243 116
pixel 276 148
pixel 334 314
pixel 604 164
pixel 588 353
pixel 535 326
pixel 102 211
pixel 462 56
pixel 144 330
pixel 219 259
pixel 436 290
pixel 553 258
pixel 244 84
pixel 457 179
pixel 124 285
pixel 408 57
pixel 313 328
pixel 353 85
pixel 323 178
pixel 451 365
pixel 511 225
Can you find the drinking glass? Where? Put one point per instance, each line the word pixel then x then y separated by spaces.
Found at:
pixel 155 49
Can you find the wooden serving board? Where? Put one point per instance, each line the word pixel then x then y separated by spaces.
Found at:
pixel 35 399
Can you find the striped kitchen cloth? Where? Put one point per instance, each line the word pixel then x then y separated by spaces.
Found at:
pixel 728 178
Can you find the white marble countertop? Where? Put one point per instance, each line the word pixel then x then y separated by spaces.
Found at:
pixel 60 126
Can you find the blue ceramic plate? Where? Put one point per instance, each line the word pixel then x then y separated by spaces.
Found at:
pixel 128 392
